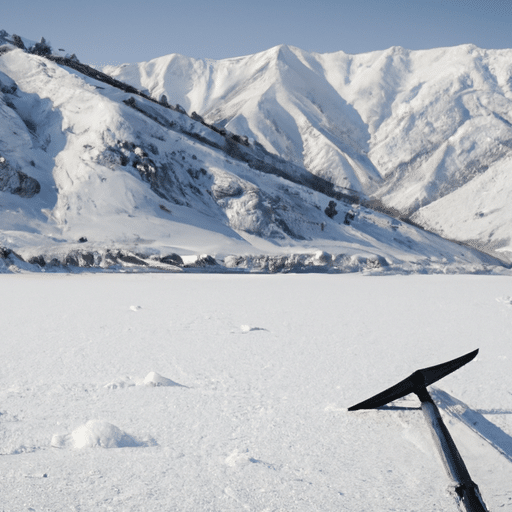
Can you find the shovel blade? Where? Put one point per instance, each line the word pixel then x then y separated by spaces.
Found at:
pixel 417 381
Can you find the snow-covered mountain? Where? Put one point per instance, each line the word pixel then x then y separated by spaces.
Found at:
pixel 427 132
pixel 94 172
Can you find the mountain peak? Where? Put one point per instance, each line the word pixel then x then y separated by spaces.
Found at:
pixel 101 171
pixel 402 125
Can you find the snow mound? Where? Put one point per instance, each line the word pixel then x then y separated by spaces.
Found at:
pixel 96 433
pixel 248 328
pixel 239 458
pixel 152 379
pixel 155 379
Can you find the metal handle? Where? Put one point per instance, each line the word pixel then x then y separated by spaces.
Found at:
pixel 466 489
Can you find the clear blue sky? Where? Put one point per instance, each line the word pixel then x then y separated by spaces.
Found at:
pixel 116 31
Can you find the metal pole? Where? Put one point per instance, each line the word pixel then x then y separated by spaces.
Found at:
pixel 466 489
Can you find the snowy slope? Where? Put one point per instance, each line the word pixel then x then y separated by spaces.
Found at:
pixel 92 161
pixel 276 97
pixel 267 366
pixel 409 127
pixel 483 214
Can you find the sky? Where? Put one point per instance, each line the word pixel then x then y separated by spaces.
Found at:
pixel 104 32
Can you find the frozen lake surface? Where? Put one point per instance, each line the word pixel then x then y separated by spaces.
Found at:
pixel 161 392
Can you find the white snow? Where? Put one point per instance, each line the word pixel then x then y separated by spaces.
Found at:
pixel 425 131
pixel 268 366
pixel 87 148
pixel 155 379
pixel 95 433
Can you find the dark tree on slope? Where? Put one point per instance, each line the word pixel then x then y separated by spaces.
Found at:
pixel 42 48
pixel 330 211
pixel 349 216
pixel 16 182
pixel 18 42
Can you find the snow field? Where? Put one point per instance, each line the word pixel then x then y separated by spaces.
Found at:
pixel 267 366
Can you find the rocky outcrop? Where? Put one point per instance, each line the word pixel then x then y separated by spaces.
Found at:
pixel 114 257
pixel 17 182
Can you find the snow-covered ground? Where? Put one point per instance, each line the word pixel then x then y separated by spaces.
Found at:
pixel 230 392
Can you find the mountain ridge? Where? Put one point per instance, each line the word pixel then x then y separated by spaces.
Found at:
pixel 406 127
pixel 128 179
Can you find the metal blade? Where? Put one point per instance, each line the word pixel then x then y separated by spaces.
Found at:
pixel 435 373
pixel 420 379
